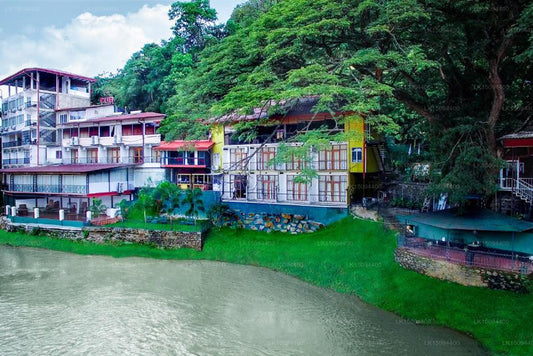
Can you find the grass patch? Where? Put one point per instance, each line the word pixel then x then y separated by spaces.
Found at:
pixel 351 256
pixel 176 226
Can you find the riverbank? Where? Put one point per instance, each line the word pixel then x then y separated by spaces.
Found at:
pixel 351 256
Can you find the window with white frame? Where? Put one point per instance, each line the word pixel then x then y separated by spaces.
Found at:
pixel 357 155
pixel 296 191
pixel 332 188
pixel 264 156
pixel 266 187
pixel 333 158
pixel 238 158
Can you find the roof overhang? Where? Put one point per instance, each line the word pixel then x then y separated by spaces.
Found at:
pixel 26 71
pixel 181 145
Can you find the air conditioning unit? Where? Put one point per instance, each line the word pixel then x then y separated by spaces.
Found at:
pixel 95 140
pixel 75 141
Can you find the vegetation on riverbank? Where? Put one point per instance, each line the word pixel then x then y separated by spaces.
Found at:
pixel 351 256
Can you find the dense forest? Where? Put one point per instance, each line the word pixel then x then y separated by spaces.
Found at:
pixel 451 77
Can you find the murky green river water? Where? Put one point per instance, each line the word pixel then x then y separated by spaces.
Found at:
pixel 63 304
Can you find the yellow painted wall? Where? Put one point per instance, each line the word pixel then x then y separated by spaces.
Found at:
pixel 354 128
pixel 217 136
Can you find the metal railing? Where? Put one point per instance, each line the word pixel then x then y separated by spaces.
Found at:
pixel 111 160
pixel 47 188
pixel 9 161
pixel 467 256
pixel 521 187
pixel 183 161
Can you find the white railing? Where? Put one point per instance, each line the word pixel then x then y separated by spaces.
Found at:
pixel 522 188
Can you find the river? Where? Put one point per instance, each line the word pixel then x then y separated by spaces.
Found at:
pixel 58 303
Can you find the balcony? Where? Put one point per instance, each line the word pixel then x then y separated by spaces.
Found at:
pixel 48 188
pixel 15 161
pixel 184 162
pixel 111 160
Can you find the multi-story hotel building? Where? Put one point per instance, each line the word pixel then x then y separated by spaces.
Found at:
pixel 66 152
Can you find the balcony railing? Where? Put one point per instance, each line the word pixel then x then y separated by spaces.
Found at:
pixel 179 161
pixel 111 160
pixel 11 161
pixel 48 188
pixel 14 144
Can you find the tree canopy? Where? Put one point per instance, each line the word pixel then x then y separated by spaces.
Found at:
pixel 455 75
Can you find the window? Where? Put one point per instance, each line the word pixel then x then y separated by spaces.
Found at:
pixel 104 131
pixel 59 154
pixel 238 185
pixel 93 131
pixel 137 129
pixel 63 118
pixel 74 156
pixel 357 155
pixel 266 187
pixel 264 156
pixel 150 129
pixel 92 155
pixel 332 188
pixel 296 191
pixel 296 163
pixel 84 132
pixel 137 155
pixel 113 155
pixel 201 158
pixel 77 115
pixel 127 130
pixel 333 158
pixel 238 159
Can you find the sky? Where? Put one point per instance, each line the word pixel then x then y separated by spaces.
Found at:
pixel 87 37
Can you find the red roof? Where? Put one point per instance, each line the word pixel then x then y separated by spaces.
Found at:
pixel 64 168
pixel 200 145
pixel 139 116
pixel 51 71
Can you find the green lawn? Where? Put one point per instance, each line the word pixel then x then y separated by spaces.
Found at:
pixel 176 226
pixel 351 256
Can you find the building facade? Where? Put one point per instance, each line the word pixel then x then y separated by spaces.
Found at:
pixel 59 152
pixel 29 135
pixel 253 173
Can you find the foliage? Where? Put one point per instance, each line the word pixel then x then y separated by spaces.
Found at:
pixel 146 202
pixel 193 197
pixel 97 207
pixel 374 276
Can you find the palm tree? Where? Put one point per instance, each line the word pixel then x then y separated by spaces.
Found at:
pixel 170 195
pixel 193 197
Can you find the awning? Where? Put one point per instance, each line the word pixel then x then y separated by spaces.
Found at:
pixel 478 220
pixel 197 145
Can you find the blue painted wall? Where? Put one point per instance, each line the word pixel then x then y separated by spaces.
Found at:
pixel 323 214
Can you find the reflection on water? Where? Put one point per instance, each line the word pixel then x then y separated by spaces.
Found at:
pixel 58 303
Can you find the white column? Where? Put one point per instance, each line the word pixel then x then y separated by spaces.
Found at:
pixel 36 213
pixel 517 173
pixel 8 209
pixel 13 211
pixel 61 215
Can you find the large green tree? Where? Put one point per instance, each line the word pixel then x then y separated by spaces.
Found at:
pixel 448 68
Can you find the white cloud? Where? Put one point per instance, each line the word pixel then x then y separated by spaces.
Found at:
pixel 88 45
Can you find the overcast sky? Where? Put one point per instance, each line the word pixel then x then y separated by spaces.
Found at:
pixel 86 37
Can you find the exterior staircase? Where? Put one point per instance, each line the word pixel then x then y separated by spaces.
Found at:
pixel 521 188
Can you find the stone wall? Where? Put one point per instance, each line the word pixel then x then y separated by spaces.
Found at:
pixel 295 224
pixel 468 276
pixel 166 239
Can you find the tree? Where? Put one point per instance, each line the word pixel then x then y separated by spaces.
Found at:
pixel 97 207
pixel 194 24
pixel 446 68
pixel 193 197
pixel 145 201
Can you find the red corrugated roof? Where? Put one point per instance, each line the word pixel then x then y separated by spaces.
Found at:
pixel 200 145
pixel 51 71
pixel 140 116
pixel 65 168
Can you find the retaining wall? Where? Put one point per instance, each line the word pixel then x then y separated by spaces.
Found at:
pixel 166 239
pixel 468 276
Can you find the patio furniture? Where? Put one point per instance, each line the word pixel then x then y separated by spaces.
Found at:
pixel 23 210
